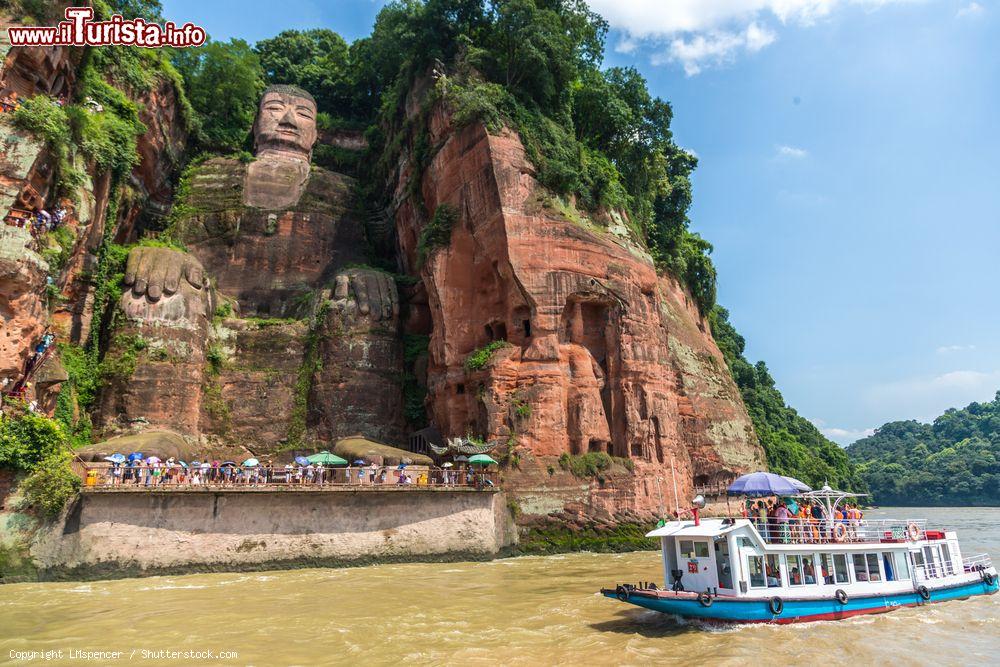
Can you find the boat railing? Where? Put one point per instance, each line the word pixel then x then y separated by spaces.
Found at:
pixel 820 531
pixel 977 563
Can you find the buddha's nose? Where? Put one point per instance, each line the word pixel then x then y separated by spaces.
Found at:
pixel 289 117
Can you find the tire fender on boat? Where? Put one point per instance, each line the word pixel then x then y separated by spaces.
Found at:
pixel 841 596
pixel 704 599
pixel 988 578
pixel 621 593
pixel 776 605
pixel 924 593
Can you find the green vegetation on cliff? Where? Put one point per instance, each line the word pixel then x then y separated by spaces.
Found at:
pixel 792 443
pixel 953 461
pixel 33 444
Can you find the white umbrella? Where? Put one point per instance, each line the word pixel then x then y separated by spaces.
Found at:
pixel 447 464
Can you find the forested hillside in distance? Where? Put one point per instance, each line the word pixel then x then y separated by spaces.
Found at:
pixel 953 461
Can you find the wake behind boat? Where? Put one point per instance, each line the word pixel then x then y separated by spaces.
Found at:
pixel 744 571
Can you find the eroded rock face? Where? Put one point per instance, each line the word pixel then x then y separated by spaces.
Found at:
pixel 22 311
pixel 604 354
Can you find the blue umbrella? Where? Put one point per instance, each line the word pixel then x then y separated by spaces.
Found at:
pixel 183 464
pixel 115 458
pixel 400 466
pixel 801 486
pixel 301 460
pixel 762 484
pixel 359 462
pixel 135 456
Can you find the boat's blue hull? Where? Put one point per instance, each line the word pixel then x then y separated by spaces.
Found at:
pixel 741 610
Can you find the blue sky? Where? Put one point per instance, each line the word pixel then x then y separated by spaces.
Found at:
pixel 849 178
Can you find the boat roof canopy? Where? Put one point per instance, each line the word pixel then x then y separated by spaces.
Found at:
pixel 708 528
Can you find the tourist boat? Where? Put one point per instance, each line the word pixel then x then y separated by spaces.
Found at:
pixel 735 571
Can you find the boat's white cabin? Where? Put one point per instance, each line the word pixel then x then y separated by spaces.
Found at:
pixel 731 557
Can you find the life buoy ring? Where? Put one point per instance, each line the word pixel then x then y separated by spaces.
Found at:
pixel 776 605
pixel 913 531
pixel 621 593
pixel 840 532
pixel 988 577
pixel 704 599
pixel 841 596
pixel 924 593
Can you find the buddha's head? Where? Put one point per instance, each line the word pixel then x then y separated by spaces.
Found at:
pixel 286 122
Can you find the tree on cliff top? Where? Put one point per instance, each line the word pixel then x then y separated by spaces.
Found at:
pixel 224 82
pixel 318 61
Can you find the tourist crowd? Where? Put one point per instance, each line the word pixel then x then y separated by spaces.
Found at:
pixel 154 472
pixel 802 521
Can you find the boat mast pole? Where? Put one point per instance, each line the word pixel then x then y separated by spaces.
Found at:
pixel 673 476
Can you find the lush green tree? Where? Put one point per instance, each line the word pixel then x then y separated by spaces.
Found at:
pixel 224 81
pixel 318 61
pixel 26 439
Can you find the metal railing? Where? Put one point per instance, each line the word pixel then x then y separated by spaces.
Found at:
pixel 174 476
pixel 820 531
pixel 977 563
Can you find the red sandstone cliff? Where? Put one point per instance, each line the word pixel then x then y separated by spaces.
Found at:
pixel 605 355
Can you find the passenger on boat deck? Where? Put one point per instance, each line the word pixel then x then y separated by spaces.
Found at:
pixel 783 515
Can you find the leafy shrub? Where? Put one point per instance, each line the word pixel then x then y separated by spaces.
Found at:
pixel 51 485
pixel 27 439
pixel 586 465
pixel 42 117
pixel 478 360
pixel 437 232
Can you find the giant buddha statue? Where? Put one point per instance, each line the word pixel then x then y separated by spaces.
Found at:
pixel 261 329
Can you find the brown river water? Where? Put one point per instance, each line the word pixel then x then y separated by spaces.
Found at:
pixel 517 611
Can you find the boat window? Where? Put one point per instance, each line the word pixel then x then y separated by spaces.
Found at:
pixel 745 542
pixel 888 567
pixel 902 567
pixel 860 568
pixel 757 577
pixel 931 558
pixel 794 566
pixel 808 571
pixel 773 571
pixel 687 549
pixel 840 565
pixel 701 549
pixel 826 567
pixel 946 559
pixel 873 572
pixel 918 563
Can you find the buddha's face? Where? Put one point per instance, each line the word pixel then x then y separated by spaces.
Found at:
pixel 285 123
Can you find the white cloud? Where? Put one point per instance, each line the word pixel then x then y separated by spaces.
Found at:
pixel 971 9
pixel 845 436
pixel 925 398
pixel 626 45
pixel 791 152
pixel 951 349
pixel 714 48
pixel 703 33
